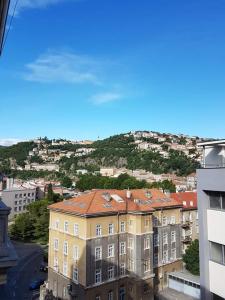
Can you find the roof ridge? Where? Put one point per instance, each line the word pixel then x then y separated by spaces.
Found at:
pixel 91 201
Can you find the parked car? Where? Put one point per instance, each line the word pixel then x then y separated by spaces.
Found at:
pixel 35 284
pixel 43 267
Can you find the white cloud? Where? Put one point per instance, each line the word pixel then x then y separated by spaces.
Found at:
pixel 102 98
pixel 29 4
pixel 9 141
pixel 54 67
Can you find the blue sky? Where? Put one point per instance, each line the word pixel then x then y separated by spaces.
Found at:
pixel 80 69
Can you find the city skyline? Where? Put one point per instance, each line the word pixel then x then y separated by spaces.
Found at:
pixel 84 69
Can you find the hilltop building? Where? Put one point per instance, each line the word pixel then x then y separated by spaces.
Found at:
pixel 113 244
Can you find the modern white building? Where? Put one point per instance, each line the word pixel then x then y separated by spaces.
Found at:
pixel 211 204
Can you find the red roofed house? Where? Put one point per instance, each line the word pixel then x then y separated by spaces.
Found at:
pixel 113 244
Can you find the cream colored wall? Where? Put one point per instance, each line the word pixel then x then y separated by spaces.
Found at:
pixel 72 241
pixel 176 212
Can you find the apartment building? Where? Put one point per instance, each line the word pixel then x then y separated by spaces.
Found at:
pixel 112 244
pixel 211 203
pixel 17 197
pixel 189 217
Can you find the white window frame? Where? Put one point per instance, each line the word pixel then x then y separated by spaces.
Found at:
pixel 147 265
pixel 76 229
pixel 146 243
pixel 56 244
pixel 111 250
pixel 122 226
pixel 110 295
pixel 98 274
pixel 98 253
pixel 173 220
pixel 66 226
pixel 165 256
pixel 75 274
pixel 75 252
pixel 98 230
pixel 122 269
pixel 173 236
pixel 65 248
pixel 111 272
pixel 131 243
pixel 173 254
pixel 165 238
pixel 164 221
pixel 56 264
pixel 122 248
pixel 111 228
pixel 65 268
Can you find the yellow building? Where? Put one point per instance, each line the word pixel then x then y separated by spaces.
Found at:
pixel 112 244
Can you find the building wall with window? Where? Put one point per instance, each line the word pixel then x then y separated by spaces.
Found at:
pixel 116 247
pixel 17 198
pixel 211 203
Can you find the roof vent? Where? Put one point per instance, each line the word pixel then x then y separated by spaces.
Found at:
pixel 148 194
pixel 137 201
pixel 106 196
pixel 128 194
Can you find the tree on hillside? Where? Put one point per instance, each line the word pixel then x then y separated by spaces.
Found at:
pixel 66 182
pixel 191 258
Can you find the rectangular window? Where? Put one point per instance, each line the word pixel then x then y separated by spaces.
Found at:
pixel 110 295
pixel 173 236
pixel 164 221
pixel 98 230
pixel 75 252
pixel 173 254
pixel 130 265
pixel 155 221
pixel 98 253
pixel 76 229
pixel 75 274
pixel 98 298
pixel 165 238
pixel 122 269
pixel 147 222
pixel 66 226
pixel 57 224
pixel 111 250
pixel 131 222
pixel 65 248
pixel 214 200
pixel 130 243
pixel 56 264
pixel 122 226
pixel 156 240
pixel 15 208
pixel 111 272
pixel 173 220
pixel 147 265
pixel 165 256
pixel 65 269
pixel 217 253
pixel 147 243
pixel 122 248
pixel 111 228
pixel 122 293
pixel 56 244
pixel 98 276
pixel 16 196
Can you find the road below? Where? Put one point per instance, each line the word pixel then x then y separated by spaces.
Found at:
pixel 20 276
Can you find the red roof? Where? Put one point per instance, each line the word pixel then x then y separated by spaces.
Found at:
pixel 187 199
pixel 95 202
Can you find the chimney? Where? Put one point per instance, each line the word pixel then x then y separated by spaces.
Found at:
pixel 128 194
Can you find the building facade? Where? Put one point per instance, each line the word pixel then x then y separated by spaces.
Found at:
pixel 189 217
pixel 111 244
pixel 211 203
pixel 18 197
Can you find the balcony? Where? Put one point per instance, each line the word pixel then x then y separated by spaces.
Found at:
pixel 186 238
pixel 213 154
pixel 185 224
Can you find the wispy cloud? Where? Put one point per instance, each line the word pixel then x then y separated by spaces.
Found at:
pixel 29 4
pixel 102 98
pixel 54 67
pixel 9 141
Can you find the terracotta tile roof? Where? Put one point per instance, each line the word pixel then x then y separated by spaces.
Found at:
pixel 187 199
pixel 95 202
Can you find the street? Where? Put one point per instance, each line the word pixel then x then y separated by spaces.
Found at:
pixel 20 276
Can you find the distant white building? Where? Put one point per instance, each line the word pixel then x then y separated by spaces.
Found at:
pixel 18 197
pixel 107 172
pixel 44 167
